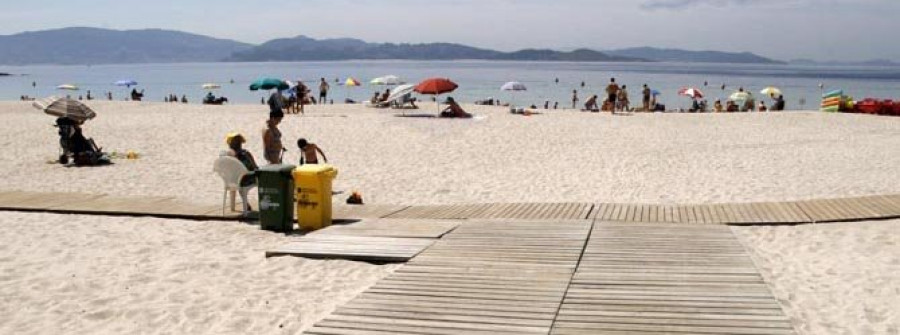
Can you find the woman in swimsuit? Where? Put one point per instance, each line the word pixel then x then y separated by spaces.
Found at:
pixel 272 146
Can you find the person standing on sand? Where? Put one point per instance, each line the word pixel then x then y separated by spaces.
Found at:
pixel 574 99
pixel 273 149
pixel 622 99
pixel 645 95
pixel 275 103
pixel 323 90
pixel 612 92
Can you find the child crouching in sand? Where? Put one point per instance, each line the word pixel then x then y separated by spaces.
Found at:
pixel 309 152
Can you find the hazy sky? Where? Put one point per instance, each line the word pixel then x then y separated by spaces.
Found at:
pixel 783 29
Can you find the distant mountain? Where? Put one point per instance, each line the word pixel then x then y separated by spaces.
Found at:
pixel 873 62
pixel 104 46
pixel 579 55
pixel 677 55
pixel 305 48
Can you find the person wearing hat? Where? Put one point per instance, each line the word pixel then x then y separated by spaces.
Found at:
pixel 453 110
pixel 235 142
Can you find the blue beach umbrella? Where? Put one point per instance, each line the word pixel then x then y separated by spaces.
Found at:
pixel 127 83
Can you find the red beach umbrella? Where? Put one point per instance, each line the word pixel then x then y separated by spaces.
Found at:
pixel 436 86
pixel 691 92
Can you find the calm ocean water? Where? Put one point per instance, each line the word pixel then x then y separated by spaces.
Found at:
pixel 477 79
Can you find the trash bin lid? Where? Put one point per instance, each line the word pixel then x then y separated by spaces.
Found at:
pixel 277 168
pixel 315 169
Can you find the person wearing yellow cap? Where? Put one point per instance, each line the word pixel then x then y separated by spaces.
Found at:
pixel 235 142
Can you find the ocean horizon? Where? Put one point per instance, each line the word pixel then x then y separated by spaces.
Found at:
pixel 802 85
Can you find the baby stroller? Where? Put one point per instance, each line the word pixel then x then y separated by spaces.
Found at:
pixel 83 151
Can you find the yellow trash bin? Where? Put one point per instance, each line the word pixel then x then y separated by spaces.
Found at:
pixel 313 195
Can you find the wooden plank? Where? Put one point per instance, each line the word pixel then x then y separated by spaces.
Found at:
pixel 392 228
pixel 359 248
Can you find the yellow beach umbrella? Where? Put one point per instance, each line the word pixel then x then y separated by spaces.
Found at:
pixel 351 82
pixel 771 91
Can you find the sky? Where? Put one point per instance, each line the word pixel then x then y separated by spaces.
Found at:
pixel 844 30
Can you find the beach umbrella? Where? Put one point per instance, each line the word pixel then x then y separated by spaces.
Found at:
pixel 740 96
pixel 400 91
pixel 387 80
pixel 691 92
pixel 268 84
pixel 65 107
pixel 126 82
pixel 513 86
pixel 351 82
pixel 69 87
pixel 211 86
pixel 436 87
pixel 771 91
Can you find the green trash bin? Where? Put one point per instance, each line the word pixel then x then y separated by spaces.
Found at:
pixel 276 197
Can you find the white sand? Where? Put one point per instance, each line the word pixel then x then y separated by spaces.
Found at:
pixel 168 276
pixel 566 156
pixel 70 274
pixel 832 278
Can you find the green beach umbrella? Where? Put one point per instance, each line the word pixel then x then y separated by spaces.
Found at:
pixel 268 84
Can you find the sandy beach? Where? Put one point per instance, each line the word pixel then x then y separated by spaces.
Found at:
pixel 563 156
pixel 111 275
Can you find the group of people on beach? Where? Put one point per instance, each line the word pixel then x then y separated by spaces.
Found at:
pixel 273 148
pixel 617 99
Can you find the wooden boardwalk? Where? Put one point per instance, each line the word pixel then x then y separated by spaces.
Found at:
pixel 655 279
pixel 770 213
pixel 569 277
pixel 482 278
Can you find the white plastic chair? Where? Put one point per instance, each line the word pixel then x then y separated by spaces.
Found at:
pixel 232 170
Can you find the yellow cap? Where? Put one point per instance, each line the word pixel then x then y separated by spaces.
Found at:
pixel 231 136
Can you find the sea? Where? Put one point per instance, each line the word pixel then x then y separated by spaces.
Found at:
pixel 546 82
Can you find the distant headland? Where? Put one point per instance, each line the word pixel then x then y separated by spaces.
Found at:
pixel 106 46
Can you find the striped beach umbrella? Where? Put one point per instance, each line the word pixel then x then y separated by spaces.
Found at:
pixel 65 107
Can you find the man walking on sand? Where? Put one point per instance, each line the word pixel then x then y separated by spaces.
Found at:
pixel 323 90
pixel 612 92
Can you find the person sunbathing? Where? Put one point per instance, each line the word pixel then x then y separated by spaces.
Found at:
pixel 453 110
